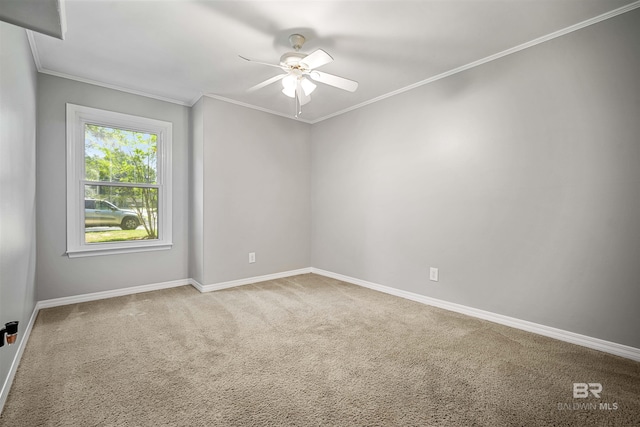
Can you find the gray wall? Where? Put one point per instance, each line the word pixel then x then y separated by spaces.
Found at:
pixel 59 276
pixel 256 183
pixel 518 179
pixel 17 184
pixel 196 194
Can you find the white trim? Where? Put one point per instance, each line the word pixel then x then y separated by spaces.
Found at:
pixel 547 331
pixel 194 100
pixel 56 302
pixel 573 338
pixel 94 296
pixel 534 42
pixel 34 50
pixel 112 86
pixel 196 285
pixel 120 250
pixel 77 117
pixel 4 393
pixel 41 69
pixel 255 107
pixel 248 280
pixel 490 58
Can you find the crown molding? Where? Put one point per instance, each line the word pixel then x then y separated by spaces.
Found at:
pixel 114 87
pixel 34 50
pixel 255 107
pixel 41 69
pixel 515 49
pixel 518 48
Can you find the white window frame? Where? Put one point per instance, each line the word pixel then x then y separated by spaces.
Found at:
pixel 77 117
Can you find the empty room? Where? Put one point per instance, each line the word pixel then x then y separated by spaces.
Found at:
pixel 319 213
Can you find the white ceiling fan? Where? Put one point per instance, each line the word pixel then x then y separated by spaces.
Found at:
pixel 300 73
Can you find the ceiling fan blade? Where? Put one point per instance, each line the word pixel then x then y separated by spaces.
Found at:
pixel 332 80
pixel 302 97
pixel 262 63
pixel 266 82
pixel 316 59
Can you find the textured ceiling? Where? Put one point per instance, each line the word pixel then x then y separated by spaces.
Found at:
pixel 179 50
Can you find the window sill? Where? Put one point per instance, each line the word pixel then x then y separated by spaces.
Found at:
pixel 86 252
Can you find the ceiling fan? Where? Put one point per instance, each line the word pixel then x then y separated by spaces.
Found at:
pixel 300 73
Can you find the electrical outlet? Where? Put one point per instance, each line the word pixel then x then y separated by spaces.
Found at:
pixel 433 274
pixel 252 257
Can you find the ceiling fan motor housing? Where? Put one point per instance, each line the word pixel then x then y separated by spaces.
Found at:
pixel 291 59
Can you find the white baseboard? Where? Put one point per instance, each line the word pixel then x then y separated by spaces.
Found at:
pixel 562 335
pixel 559 334
pixel 4 393
pixel 248 281
pixel 56 302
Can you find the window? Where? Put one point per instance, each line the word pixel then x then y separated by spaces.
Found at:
pixel 118 182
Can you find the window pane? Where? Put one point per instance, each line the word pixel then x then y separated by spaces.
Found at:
pixel 120 213
pixel 118 155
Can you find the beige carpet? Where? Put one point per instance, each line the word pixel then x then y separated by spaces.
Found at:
pixel 303 351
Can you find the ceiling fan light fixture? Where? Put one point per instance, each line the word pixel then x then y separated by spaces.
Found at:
pixel 291 93
pixel 300 77
pixel 289 84
pixel 307 86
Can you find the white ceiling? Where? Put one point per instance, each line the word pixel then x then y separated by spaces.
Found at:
pixel 178 50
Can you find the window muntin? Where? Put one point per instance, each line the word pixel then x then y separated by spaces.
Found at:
pixel 120 165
